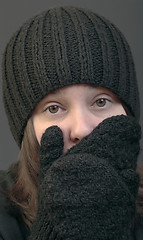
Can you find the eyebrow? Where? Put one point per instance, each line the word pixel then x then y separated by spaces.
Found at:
pixel 60 90
pixel 56 92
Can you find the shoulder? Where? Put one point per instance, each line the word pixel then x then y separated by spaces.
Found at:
pixel 139 231
pixel 4 179
pixel 9 225
pixel 5 184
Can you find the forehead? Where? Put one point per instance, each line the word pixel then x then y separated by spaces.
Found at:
pixel 81 86
pixel 79 89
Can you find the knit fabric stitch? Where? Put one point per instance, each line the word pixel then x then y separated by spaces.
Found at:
pixel 60 47
pixel 88 193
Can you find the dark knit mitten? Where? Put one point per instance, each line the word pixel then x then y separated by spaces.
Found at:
pixel 89 192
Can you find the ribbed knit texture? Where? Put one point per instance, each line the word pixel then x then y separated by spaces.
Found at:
pixel 89 192
pixel 59 47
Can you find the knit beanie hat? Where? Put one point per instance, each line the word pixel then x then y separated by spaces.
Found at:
pixel 60 47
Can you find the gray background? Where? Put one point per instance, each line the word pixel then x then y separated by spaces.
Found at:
pixel 126 14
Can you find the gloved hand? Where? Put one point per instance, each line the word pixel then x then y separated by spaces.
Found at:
pixel 89 192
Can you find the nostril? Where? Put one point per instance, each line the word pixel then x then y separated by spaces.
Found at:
pixel 77 139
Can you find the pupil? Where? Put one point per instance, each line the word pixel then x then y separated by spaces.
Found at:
pixel 53 109
pixel 101 102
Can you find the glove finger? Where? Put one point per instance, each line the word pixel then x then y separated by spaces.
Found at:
pixel 51 148
pixel 110 129
pixel 112 139
pixel 82 190
pixel 118 139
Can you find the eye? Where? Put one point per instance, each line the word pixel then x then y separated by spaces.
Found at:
pixel 53 109
pixel 101 102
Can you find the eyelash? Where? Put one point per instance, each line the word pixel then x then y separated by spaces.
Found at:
pixel 98 102
pixel 101 101
pixel 52 106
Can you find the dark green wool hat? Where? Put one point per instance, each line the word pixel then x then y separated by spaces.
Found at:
pixel 60 47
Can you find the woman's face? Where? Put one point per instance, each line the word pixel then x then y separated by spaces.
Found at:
pixel 76 110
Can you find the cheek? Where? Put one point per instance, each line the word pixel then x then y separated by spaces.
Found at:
pixel 39 128
pixel 115 110
pixel 39 133
pixel 119 110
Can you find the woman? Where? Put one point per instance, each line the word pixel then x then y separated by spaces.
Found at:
pixel 71 97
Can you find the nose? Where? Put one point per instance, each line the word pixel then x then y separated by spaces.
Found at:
pixel 82 124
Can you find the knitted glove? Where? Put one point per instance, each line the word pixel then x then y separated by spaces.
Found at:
pixel 89 192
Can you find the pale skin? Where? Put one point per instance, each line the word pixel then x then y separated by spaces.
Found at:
pixel 76 110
